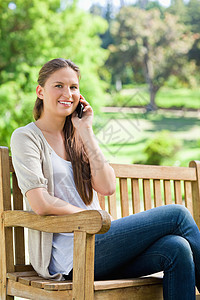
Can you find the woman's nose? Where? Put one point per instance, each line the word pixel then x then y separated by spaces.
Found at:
pixel 67 92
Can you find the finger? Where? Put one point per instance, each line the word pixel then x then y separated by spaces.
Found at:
pixel 82 99
pixel 87 108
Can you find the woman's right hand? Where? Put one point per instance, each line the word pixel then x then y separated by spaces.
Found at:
pixel 86 121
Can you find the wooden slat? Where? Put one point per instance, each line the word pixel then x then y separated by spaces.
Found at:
pixel 27 280
pixel 11 168
pixel 188 195
pixel 147 194
pixel 135 195
pixel 112 205
pixel 23 268
pixel 47 284
pixel 154 172
pixel 124 197
pixel 167 192
pixel 177 192
pixel 101 201
pixel 19 231
pixel 28 292
pixel 58 286
pixel 6 235
pixel 196 192
pixel 157 193
pixel 123 283
pixel 15 275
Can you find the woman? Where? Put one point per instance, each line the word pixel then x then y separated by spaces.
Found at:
pixel 60 168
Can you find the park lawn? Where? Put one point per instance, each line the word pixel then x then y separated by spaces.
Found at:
pixel 166 97
pixel 123 137
pixel 184 97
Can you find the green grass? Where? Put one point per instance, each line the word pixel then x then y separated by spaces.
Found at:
pixel 183 97
pixel 123 137
pixel 165 98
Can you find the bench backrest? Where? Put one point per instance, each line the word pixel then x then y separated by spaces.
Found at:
pixel 139 187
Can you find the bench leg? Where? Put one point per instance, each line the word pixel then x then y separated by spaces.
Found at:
pixel 83 266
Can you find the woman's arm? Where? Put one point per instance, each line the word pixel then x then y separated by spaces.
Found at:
pixel 42 203
pixel 103 176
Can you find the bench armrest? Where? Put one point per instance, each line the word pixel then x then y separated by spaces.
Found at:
pixel 90 221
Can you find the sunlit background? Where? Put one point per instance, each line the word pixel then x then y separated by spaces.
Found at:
pixel 140 66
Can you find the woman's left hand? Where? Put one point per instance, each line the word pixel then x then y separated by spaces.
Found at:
pixel 87 117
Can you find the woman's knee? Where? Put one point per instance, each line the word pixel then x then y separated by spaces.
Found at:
pixel 179 251
pixel 178 208
pixel 180 212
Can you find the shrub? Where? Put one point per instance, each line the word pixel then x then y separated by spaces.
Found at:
pixel 163 146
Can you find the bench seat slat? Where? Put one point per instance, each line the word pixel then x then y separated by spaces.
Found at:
pixel 58 286
pixel 41 283
pixel 15 275
pixel 27 280
pixel 122 283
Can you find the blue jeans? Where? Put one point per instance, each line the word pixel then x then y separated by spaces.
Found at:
pixel 165 239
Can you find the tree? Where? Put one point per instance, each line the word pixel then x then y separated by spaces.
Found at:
pixel 107 12
pixel 192 19
pixel 156 45
pixel 33 32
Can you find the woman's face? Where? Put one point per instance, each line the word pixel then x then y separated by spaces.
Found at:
pixel 60 93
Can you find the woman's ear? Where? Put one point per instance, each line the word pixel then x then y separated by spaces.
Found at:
pixel 39 91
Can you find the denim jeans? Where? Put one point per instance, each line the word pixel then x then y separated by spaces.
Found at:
pixel 165 239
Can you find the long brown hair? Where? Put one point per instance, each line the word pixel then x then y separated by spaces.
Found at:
pixel 73 144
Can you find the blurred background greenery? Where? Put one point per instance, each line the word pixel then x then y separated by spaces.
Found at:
pixel 140 66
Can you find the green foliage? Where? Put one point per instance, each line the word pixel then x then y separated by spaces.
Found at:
pixel 155 43
pixel 192 18
pixel 163 146
pixel 33 32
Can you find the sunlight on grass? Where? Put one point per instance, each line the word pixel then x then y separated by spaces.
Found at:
pixel 165 98
pixel 128 144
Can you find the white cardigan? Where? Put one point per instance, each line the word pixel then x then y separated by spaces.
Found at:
pixel 31 156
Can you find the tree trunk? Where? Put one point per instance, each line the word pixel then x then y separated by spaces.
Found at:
pixel 152 90
pixel 149 73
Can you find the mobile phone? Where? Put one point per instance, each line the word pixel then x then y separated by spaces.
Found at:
pixel 79 109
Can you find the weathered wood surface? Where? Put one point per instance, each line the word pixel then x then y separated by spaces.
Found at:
pixel 91 221
pixel 150 186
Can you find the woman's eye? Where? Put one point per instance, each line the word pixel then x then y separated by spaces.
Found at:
pixel 73 87
pixel 59 85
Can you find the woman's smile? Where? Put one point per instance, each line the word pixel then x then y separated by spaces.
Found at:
pixel 65 103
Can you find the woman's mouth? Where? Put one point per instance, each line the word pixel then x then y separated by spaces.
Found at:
pixel 65 103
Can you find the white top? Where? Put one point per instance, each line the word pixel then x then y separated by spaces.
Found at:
pixel 65 189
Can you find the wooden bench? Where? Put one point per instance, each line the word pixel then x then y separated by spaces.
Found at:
pixel 139 187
